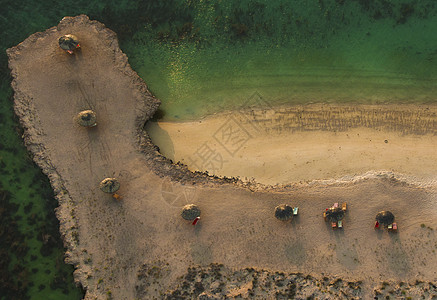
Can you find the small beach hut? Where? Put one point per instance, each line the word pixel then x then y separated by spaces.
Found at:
pixel 385 217
pixel 334 214
pixel 68 43
pixel 190 212
pixel 283 212
pixel 109 185
pixel 86 118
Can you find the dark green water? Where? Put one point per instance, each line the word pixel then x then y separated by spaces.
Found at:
pixel 201 57
pixel 31 250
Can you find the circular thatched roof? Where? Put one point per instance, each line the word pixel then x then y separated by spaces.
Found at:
pixel 385 217
pixel 334 214
pixel 190 212
pixel 109 185
pixel 68 42
pixel 86 118
pixel 284 212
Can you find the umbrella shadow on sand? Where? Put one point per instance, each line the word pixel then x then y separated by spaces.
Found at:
pixel 397 258
pixel 295 253
pixel 379 234
pixel 347 256
pixel 201 254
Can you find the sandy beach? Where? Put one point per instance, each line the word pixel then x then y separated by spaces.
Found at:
pixel 304 143
pixel 139 247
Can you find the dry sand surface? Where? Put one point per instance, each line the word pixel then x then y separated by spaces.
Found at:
pixel 305 143
pixel 140 247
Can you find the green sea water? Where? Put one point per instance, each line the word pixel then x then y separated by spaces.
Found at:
pixel 201 57
pixel 289 52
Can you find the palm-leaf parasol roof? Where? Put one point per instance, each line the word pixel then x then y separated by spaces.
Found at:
pixel 283 212
pixel 86 118
pixel 190 212
pixel 109 185
pixel 334 214
pixel 385 217
pixel 68 42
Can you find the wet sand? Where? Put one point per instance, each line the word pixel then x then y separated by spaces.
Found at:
pixel 140 247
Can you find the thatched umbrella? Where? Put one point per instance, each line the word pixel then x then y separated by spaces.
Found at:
pixel 69 43
pixel 284 212
pixel 190 212
pixel 334 214
pixel 109 185
pixel 385 217
pixel 86 118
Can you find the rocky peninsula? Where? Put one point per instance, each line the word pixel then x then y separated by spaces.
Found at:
pixel 139 247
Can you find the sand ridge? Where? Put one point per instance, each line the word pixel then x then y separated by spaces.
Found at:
pixel 111 243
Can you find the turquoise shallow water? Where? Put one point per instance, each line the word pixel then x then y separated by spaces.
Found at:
pixel 201 57
pixel 289 52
